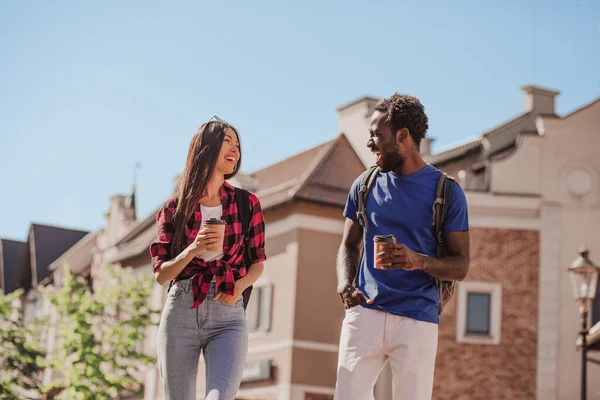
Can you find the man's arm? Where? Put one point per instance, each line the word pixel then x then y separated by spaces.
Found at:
pixel 348 260
pixel 454 266
pixel 349 253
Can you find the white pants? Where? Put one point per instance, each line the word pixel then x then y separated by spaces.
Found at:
pixel 369 338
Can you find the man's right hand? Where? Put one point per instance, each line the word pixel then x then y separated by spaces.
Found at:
pixel 352 296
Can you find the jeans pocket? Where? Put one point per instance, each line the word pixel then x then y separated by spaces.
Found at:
pixel 176 292
pixel 238 303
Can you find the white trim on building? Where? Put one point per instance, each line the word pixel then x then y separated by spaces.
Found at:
pixel 494 290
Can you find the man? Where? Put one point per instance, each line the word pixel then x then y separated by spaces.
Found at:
pixel 392 313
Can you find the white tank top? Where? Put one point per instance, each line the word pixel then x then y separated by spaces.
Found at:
pixel 207 213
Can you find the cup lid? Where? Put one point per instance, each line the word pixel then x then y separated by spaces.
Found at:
pixel 214 221
pixel 384 238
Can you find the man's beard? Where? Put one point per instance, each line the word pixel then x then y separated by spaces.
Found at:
pixel 391 161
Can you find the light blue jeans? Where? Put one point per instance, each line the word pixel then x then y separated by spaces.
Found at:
pixel 217 330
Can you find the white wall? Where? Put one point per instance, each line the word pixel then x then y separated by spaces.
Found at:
pixel 520 172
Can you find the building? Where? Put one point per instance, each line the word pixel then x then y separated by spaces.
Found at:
pixel 11 252
pixel 532 189
pixel 45 243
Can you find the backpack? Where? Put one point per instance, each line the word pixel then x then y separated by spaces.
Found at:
pixel 242 201
pixel 440 207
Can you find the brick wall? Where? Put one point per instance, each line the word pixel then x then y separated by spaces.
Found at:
pixel 507 370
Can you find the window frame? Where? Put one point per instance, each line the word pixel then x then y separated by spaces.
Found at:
pixel 495 291
pixel 265 307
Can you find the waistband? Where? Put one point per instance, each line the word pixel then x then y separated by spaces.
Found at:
pixel 186 285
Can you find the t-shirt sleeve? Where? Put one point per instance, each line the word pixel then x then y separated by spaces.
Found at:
pixel 457 219
pixel 352 201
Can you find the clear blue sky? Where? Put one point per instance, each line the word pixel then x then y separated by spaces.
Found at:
pixel 87 89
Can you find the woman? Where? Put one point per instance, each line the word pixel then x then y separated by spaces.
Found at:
pixel 204 309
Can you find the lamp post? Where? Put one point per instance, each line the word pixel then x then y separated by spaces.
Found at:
pixel 584 279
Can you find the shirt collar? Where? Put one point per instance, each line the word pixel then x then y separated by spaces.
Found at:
pixel 228 186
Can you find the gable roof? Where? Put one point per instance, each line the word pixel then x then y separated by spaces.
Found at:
pixel 49 243
pixel 320 174
pixel 286 172
pixel 11 252
pixel 332 175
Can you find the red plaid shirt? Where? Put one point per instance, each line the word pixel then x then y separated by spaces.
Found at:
pixel 226 270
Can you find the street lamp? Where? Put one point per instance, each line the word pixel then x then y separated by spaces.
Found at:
pixel 584 279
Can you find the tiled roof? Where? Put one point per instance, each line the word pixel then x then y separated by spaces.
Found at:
pixel 322 174
pixel 332 176
pixel 287 170
pixel 455 152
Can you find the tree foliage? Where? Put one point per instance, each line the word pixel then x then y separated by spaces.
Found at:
pixel 21 358
pixel 99 333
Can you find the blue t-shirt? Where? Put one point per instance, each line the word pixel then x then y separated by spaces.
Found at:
pixel 401 205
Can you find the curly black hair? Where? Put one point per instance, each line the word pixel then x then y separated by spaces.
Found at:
pixel 405 111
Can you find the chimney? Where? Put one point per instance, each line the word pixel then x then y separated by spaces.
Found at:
pixel 539 100
pixel 426 146
pixel 118 219
pixel 353 121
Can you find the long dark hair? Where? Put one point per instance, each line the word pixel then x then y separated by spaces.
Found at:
pixel 201 159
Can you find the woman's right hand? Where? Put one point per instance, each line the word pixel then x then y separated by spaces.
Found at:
pixel 207 237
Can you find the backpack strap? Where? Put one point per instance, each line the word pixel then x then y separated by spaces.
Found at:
pixel 367 179
pixel 441 206
pixel 366 183
pixel 242 201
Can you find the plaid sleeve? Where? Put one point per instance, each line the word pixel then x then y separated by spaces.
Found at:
pixel 160 249
pixel 257 231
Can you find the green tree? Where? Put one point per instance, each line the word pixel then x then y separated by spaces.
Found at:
pixel 21 360
pixel 98 354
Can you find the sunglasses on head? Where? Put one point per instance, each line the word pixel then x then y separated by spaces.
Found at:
pixel 214 118
pixel 217 119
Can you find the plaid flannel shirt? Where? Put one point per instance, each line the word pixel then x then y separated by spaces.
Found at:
pixel 226 270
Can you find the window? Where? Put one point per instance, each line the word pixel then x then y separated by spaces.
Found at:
pixel 479 312
pixel 258 312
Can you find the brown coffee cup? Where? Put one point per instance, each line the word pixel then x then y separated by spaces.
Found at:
pixel 219 226
pixel 379 241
